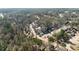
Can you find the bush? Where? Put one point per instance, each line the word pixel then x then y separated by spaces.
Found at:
pixel 37 41
pixel 63 44
pixel 7 28
pixel 51 39
pixel 61 35
pixel 3 45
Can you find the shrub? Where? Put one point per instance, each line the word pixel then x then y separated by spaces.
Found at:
pixel 61 35
pixel 7 28
pixel 51 39
pixel 37 41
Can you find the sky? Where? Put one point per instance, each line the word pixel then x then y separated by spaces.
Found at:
pixel 39 4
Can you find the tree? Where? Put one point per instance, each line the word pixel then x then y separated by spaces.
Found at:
pixel 7 28
pixel 61 36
